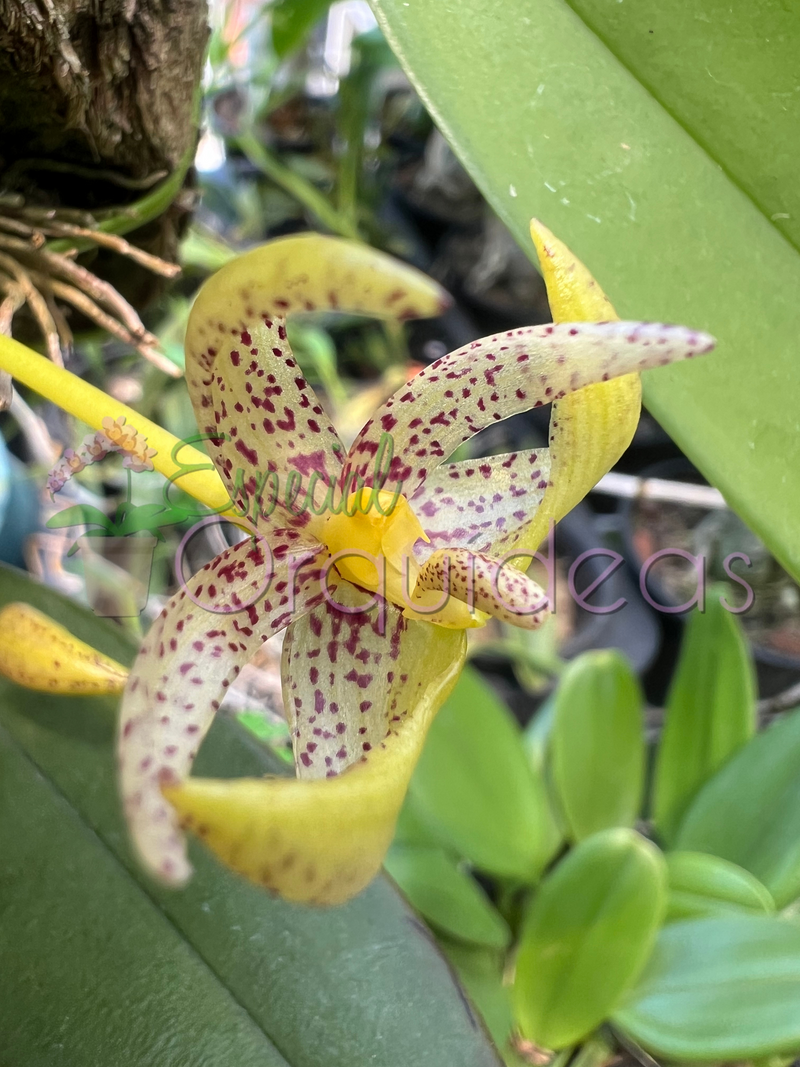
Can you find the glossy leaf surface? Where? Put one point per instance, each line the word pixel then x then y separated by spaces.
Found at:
pixel 446 896
pixel 700 884
pixel 598 744
pixel 101 966
pixel 476 788
pixel 587 936
pixel 719 989
pixel 710 712
pixel 652 138
pixel 749 813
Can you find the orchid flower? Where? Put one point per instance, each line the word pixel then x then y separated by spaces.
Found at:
pixel 377 559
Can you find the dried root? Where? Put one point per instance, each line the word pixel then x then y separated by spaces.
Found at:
pixel 33 274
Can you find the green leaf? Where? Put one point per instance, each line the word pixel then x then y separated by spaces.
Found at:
pixel 475 786
pixel 749 813
pixel 710 713
pixel 700 884
pixel 598 750
pixel 292 21
pixel 480 971
pixel 434 884
pixel 718 989
pixel 102 966
pixel 667 161
pixel 587 936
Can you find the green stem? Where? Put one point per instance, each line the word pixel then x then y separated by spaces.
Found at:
pixel 594 1053
pixel 562 1058
pixel 296 186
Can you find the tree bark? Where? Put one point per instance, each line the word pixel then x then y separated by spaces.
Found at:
pixel 96 96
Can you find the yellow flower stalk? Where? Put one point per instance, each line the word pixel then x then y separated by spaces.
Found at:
pixel 376 559
pixel 92 406
pixel 38 653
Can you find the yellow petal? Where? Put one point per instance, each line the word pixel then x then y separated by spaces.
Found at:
pixel 35 651
pixel 92 406
pixel 591 428
pixel 322 840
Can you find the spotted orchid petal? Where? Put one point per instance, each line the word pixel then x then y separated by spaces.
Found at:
pixel 590 429
pixel 38 653
pixel 191 654
pixel 275 446
pixel 339 663
pixel 499 376
pixel 476 503
pixel 320 840
pixel 485 585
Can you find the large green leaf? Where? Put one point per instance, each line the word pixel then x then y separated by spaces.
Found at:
pixel 476 788
pixel 658 138
pixel 719 989
pixel 587 936
pixel 749 813
pixel 598 744
pixel 101 966
pixel 711 712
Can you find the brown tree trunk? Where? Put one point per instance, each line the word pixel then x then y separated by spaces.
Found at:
pixel 97 106
pixel 105 85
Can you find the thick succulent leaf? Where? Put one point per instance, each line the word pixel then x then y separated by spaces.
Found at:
pixel 446 896
pixel 483 504
pixel 491 379
pixel 700 884
pixel 589 931
pixel 719 989
pixel 101 965
pixel 38 653
pixel 749 813
pixel 481 972
pixel 597 744
pixel 657 156
pixel 475 787
pixel 191 654
pixel 276 448
pixel 710 712
pixel 322 840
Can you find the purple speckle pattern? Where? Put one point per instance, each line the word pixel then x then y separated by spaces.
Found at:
pixel 187 661
pixel 342 685
pixel 479 503
pixel 345 688
pixel 488 585
pixel 489 380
